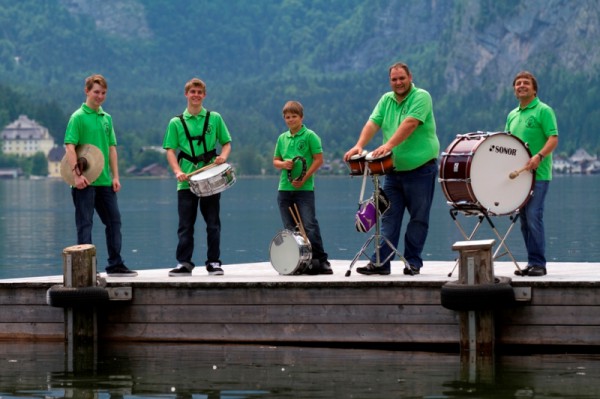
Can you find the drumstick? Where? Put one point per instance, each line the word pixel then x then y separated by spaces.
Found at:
pixel 298 222
pixel 302 225
pixel 202 169
pixel 516 173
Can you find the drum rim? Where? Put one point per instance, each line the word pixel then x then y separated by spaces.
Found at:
pixel 213 171
pixel 371 159
pixel 293 235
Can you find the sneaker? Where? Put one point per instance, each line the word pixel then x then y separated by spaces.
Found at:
pixel 533 271
pixel 214 268
pixel 370 269
pixel 411 270
pixel 326 268
pixel 182 270
pixel 119 271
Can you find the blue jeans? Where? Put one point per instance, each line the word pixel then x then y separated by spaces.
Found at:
pixel 187 208
pixel 104 200
pixel 305 200
pixel 532 225
pixel 410 191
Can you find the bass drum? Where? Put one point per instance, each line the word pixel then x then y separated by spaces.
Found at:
pixel 475 173
pixel 290 253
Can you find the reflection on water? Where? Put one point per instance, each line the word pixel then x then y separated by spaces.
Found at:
pixel 37 223
pixel 40 370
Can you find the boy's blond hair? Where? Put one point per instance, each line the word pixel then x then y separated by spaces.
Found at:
pixel 91 80
pixel 195 82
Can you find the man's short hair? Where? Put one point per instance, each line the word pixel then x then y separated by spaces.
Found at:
pixel 91 80
pixel 399 65
pixel 293 107
pixel 195 82
pixel 526 75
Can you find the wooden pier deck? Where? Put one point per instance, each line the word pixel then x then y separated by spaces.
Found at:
pixel 252 303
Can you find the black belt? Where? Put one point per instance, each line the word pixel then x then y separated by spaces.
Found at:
pixel 430 162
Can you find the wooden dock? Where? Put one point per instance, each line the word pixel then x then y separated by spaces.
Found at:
pixel 252 303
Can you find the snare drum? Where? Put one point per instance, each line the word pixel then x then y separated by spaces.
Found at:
pixel 290 253
pixel 356 163
pixel 380 165
pixel 212 181
pixel 475 169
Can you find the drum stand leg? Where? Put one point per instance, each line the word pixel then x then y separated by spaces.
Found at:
pixel 481 216
pixel 514 219
pixel 453 213
pixel 379 239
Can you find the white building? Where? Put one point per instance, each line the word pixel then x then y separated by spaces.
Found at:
pixel 26 137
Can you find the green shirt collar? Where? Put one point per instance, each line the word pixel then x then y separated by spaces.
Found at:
pixel 532 104
pixel 89 110
pixel 300 132
pixel 187 115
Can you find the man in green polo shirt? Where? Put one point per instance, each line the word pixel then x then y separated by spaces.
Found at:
pixel 91 125
pixel 535 123
pixel 405 117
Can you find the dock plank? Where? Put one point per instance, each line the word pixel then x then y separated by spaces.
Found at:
pixel 253 303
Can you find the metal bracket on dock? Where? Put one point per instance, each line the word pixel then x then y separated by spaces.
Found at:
pixel 119 293
pixel 522 294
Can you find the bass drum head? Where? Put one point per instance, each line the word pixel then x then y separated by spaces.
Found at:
pixel 287 256
pixel 494 160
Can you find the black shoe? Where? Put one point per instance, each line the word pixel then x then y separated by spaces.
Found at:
pixel 371 269
pixel 183 269
pixel 411 270
pixel 214 268
pixel 325 268
pixel 312 268
pixel 533 271
pixel 120 271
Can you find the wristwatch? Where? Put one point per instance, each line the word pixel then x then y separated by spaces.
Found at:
pixel 539 154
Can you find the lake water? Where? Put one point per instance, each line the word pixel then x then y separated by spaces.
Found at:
pixel 132 371
pixel 37 223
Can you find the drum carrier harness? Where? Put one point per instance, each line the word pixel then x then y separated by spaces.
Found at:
pixel 204 157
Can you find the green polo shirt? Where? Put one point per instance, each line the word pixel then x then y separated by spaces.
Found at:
pixel 305 143
pixel 88 126
pixel 534 124
pixel 423 144
pixel 176 139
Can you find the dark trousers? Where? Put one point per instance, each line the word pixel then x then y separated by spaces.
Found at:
pixel 104 200
pixel 187 208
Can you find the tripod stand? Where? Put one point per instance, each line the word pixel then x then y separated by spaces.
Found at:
pixel 377 237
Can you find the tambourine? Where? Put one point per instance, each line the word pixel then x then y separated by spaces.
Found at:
pixel 289 172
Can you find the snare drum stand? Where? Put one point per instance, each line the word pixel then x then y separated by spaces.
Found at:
pixel 482 214
pixel 379 239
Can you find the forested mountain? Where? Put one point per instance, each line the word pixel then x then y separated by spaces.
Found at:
pixel 331 55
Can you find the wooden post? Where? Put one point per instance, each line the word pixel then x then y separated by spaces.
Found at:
pixel 79 270
pixel 477 332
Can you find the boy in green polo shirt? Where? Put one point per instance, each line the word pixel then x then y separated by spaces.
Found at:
pixel 91 125
pixel 298 154
pixel 191 143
